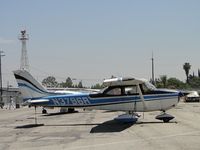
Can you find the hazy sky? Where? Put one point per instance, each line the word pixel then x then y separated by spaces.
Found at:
pixel 93 39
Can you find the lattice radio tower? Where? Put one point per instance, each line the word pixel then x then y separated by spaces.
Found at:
pixel 24 64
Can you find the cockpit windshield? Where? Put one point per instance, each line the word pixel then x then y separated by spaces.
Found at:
pixel 150 86
pixel 102 90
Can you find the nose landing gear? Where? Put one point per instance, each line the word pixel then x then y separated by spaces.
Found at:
pixel 164 117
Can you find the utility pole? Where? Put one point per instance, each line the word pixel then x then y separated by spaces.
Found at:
pixel 152 67
pixel 1 90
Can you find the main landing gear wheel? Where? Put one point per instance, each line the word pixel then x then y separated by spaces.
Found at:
pixel 67 110
pixel 126 118
pixel 129 117
pixel 71 110
pixel 44 111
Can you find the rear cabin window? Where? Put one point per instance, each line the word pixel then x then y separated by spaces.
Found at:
pixel 131 90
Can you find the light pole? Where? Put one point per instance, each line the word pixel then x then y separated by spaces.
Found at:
pixel 1 90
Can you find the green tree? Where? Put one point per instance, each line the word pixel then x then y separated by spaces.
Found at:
pixel 157 83
pixel 80 85
pixel 187 68
pixel 175 84
pixel 50 81
pixel 96 86
pixel 163 79
pixel 67 84
pixel 194 82
pixel 161 82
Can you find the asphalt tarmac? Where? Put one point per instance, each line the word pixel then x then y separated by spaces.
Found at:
pixel 96 130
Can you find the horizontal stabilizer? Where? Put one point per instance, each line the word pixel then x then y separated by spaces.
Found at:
pixel 36 102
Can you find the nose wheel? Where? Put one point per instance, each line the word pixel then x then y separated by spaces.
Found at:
pixel 164 117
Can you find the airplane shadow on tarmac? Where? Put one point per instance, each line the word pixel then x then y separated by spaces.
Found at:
pixel 115 126
pixel 105 127
pixel 110 126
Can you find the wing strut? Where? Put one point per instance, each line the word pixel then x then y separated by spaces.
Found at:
pixel 142 97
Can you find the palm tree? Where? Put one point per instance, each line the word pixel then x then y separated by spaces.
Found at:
pixel 187 67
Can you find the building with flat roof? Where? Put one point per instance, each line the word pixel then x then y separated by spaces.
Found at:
pixel 11 97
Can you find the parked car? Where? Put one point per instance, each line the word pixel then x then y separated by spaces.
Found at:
pixel 192 97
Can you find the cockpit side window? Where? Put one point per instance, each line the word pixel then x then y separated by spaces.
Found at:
pixel 114 92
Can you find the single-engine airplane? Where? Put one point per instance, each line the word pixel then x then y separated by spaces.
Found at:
pixel 130 95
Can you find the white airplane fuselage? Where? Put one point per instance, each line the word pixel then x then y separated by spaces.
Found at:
pixel 127 94
pixel 121 103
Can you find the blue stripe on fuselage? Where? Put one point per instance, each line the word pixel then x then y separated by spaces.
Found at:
pixel 84 99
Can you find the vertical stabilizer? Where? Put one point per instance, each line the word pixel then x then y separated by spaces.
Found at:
pixel 29 87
